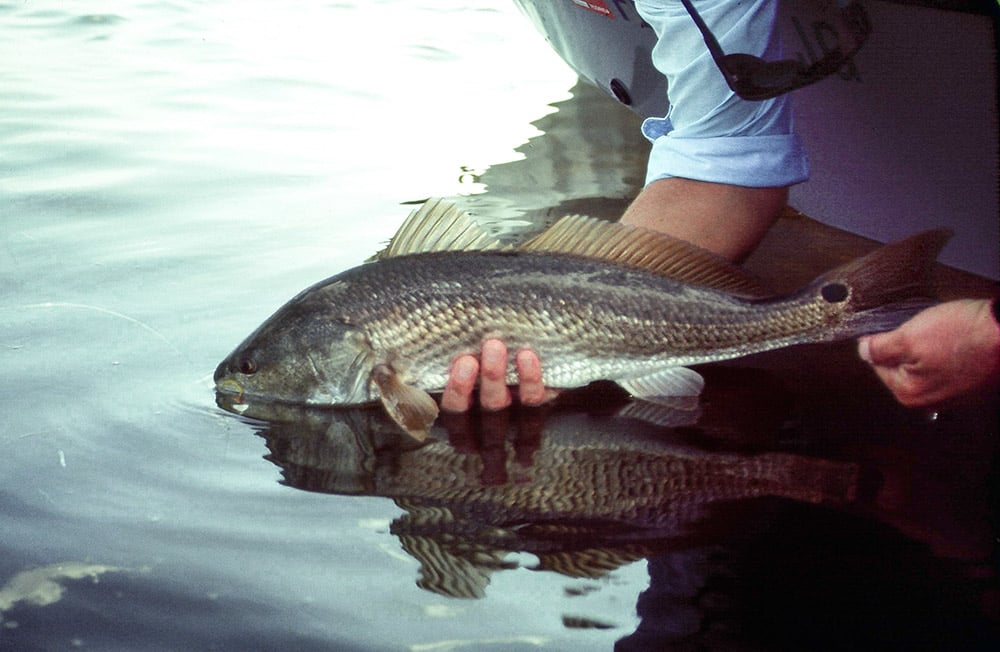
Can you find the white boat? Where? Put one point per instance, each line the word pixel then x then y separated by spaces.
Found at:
pixel 904 137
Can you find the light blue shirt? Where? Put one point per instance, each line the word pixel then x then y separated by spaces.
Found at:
pixel 710 133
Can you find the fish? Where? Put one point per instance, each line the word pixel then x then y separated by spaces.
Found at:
pixel 596 300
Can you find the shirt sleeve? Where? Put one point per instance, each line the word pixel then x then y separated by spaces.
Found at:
pixel 710 133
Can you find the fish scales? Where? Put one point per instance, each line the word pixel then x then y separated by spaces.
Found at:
pixel 638 315
pixel 567 309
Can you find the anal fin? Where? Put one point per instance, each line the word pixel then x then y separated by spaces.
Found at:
pixel 668 397
pixel 672 383
pixel 685 412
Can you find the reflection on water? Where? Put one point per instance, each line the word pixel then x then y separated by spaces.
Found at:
pixel 591 160
pixel 751 544
pixel 583 493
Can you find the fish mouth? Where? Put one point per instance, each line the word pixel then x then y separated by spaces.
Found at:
pixel 230 387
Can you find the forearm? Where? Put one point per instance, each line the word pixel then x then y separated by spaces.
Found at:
pixel 726 219
pixel 720 167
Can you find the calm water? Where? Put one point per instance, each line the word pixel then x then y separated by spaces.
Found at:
pixel 171 172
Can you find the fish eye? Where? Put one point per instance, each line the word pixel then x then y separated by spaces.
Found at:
pixel 247 366
pixel 834 292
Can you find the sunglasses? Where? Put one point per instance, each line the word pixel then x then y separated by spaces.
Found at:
pixel 753 78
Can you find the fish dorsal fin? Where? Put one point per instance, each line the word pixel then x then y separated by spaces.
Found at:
pixel 438 225
pixel 593 563
pixel 447 572
pixel 642 248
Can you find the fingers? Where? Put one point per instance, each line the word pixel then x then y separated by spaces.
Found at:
pixel 864 349
pixel 531 390
pixel 945 354
pixel 490 370
pixel 884 349
pixel 902 366
pixel 457 396
pixel 493 391
pixel 887 357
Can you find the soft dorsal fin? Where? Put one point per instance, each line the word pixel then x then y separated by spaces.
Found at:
pixel 593 563
pixel 635 246
pixel 438 225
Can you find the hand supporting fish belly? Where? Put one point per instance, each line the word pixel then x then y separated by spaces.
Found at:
pixel 594 299
pixel 494 394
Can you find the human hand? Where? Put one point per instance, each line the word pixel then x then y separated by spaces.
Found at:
pixel 943 352
pixel 490 369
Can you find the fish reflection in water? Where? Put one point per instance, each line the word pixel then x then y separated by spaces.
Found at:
pixel 583 492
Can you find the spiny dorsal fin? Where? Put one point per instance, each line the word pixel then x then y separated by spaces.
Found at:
pixel 654 252
pixel 454 573
pixel 438 225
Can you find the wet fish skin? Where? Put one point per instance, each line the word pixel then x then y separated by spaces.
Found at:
pixel 388 330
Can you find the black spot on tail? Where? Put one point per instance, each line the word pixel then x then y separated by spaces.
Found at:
pixel 834 292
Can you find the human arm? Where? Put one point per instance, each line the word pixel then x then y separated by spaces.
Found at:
pixel 726 219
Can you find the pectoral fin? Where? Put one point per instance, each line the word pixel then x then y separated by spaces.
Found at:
pixel 412 408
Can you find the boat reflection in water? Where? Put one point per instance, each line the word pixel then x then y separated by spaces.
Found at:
pixel 746 541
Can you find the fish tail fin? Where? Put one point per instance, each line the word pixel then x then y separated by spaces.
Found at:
pixel 895 272
pixel 809 479
pixel 888 286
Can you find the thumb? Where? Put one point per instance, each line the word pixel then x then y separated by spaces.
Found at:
pixel 884 349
